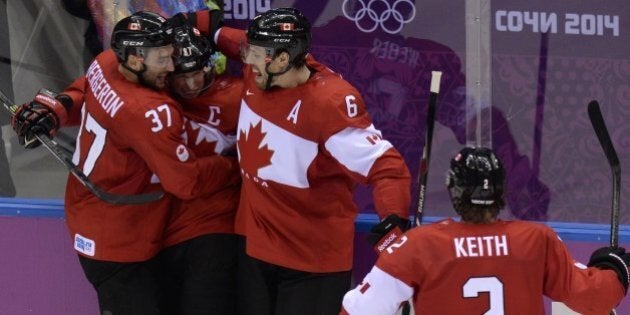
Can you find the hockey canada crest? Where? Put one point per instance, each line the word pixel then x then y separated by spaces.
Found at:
pixel 253 156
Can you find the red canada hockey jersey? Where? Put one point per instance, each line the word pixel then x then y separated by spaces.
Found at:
pixel 210 129
pixel 500 268
pixel 130 139
pixel 301 152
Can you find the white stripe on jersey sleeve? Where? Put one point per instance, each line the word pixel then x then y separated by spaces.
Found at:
pixel 379 293
pixel 357 149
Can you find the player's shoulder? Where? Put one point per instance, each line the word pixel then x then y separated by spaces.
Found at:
pixel 333 95
pixel 107 56
pixel 229 87
pixel 325 81
pixel 228 82
pixel 142 101
pixel 438 227
pixel 532 225
pixel 530 229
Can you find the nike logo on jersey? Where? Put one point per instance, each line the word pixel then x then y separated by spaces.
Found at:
pixel 248 93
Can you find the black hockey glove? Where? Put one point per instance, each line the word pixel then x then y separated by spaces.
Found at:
pixel 45 114
pixel 179 20
pixel 387 232
pixel 207 21
pixel 613 258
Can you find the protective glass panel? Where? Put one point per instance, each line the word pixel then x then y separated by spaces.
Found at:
pixel 516 76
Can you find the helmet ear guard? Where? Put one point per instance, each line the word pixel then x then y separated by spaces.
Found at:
pixel 476 177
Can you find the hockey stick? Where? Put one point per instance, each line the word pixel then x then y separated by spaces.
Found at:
pixel 423 173
pixel 595 114
pixel 58 153
pixel 540 102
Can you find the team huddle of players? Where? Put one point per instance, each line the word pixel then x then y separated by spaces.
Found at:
pixel 259 171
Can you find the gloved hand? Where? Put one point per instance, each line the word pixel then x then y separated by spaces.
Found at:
pixel 206 21
pixel 387 232
pixel 215 12
pixel 179 20
pixel 45 114
pixel 613 258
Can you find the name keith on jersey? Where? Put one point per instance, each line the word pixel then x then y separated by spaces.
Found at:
pixel 481 246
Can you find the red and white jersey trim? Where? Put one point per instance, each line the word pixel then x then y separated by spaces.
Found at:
pixel 379 293
pixel 357 149
pixel 292 154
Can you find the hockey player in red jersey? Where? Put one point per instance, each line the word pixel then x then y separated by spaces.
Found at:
pixel 304 141
pixel 130 142
pixel 200 253
pixel 484 265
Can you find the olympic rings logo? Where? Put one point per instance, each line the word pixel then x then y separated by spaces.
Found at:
pixel 391 12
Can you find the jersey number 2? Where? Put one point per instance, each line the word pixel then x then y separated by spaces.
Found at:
pixel 493 286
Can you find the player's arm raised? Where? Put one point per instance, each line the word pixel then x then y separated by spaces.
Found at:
pixel 586 290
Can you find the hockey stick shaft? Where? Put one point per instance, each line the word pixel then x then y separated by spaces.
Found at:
pixel 601 130
pixel 83 179
pixel 540 102
pixel 423 172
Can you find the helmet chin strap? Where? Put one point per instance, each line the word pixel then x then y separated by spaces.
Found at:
pixel 139 74
pixel 271 74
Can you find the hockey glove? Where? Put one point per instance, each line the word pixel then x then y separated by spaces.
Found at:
pixel 387 232
pixel 179 20
pixel 45 114
pixel 613 258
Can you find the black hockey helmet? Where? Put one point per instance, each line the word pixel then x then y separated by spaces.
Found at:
pixel 192 50
pixel 139 30
pixel 281 29
pixel 476 177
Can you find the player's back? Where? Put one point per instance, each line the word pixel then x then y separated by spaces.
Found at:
pixel 463 268
pixel 117 114
pixel 119 120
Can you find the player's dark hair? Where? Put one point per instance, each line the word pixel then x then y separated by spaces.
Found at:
pixel 477 213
